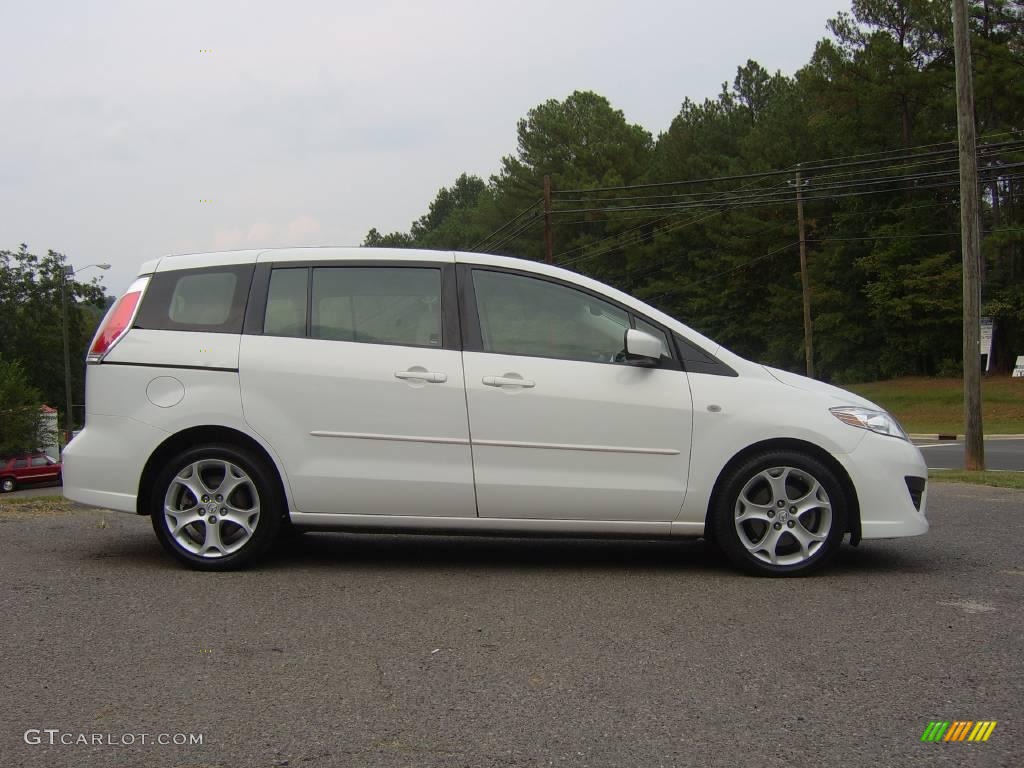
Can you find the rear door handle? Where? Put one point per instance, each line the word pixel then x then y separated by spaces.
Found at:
pixel 428 376
pixel 508 381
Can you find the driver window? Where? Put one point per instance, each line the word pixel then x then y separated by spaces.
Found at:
pixel 528 316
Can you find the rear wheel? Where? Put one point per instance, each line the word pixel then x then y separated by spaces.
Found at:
pixel 781 513
pixel 216 507
pixel 7 484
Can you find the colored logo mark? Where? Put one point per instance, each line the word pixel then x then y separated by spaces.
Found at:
pixel 959 730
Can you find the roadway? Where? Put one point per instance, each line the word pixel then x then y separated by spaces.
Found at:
pixel 1000 453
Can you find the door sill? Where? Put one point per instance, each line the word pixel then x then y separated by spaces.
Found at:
pixel 498 526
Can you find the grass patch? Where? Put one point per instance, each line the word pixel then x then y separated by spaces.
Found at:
pixel 926 405
pixel 995 479
pixel 37 506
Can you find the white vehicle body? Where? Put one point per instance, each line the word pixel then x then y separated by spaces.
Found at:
pixel 446 436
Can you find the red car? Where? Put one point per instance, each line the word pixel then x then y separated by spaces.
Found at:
pixel 28 468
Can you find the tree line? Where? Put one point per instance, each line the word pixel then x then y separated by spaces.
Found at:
pixel 701 220
pixel 31 342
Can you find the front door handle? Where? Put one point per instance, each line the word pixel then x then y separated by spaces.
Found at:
pixel 418 374
pixel 508 381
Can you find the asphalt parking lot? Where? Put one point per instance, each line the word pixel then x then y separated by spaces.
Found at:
pixel 348 650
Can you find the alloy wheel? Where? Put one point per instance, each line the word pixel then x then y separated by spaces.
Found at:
pixel 212 508
pixel 783 515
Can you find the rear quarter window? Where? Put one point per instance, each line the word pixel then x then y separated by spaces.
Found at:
pixel 210 300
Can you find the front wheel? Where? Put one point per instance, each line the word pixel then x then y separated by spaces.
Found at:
pixel 216 507
pixel 781 513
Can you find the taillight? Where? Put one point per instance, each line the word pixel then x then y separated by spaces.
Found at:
pixel 117 321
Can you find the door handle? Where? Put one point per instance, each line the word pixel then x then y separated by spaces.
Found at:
pixel 428 376
pixel 508 381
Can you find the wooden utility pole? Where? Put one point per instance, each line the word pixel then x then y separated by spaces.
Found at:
pixel 549 240
pixel 970 240
pixel 805 280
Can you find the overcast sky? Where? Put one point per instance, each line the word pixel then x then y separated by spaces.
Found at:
pixel 307 123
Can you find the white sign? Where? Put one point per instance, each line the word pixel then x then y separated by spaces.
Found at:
pixel 986 341
pixel 1018 369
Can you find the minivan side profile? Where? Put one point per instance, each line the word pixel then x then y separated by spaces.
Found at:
pixel 233 397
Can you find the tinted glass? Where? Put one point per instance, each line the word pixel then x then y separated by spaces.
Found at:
pixel 643 325
pixel 286 303
pixel 209 299
pixel 378 305
pixel 39 461
pixel 20 463
pixel 527 316
pixel 203 299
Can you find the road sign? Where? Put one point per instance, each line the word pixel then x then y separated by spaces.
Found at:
pixel 986 341
pixel 1018 369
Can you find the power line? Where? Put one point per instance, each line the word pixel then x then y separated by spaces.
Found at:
pixel 807 166
pixel 783 196
pixel 738 267
pixel 506 225
pixel 514 234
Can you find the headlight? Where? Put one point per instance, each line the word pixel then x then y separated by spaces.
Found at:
pixel 866 418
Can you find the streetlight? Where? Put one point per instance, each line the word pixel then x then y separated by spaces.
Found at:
pixel 69 271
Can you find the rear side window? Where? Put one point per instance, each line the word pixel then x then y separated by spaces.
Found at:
pixel 210 300
pixel 203 299
pixel 377 305
pixel 21 463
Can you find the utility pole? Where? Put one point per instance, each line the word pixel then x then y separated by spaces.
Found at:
pixel 548 237
pixel 970 240
pixel 66 271
pixel 805 281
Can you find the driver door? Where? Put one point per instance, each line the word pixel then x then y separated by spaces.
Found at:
pixel 560 427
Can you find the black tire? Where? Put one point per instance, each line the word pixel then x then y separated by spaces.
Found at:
pixel 261 487
pixel 820 521
pixel 7 485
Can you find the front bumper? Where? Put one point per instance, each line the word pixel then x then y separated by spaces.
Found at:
pixel 879 467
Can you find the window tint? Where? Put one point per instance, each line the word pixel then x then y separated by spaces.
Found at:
pixel 210 299
pixel 643 325
pixel 39 461
pixel 527 316
pixel 286 303
pixel 381 305
pixel 20 463
pixel 203 299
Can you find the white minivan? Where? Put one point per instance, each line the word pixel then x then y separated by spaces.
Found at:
pixel 236 397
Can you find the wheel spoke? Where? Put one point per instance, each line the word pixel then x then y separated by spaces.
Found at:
pixel 212 539
pixel 812 499
pixel 806 538
pixel 193 481
pixel 767 544
pixel 182 518
pixel 778 483
pixel 756 512
pixel 241 519
pixel 231 481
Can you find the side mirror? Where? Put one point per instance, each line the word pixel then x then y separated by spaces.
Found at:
pixel 642 348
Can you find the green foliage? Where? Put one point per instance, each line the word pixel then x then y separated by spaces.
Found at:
pixel 884 266
pixel 20 417
pixel 30 322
